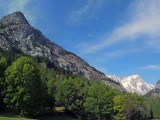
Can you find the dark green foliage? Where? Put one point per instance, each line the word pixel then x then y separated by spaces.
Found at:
pixel 3 67
pixel 48 77
pixel 25 91
pixel 99 101
pixel 48 71
pixel 12 54
pixel 129 106
pixel 156 109
pixel 71 93
pixel 134 107
pixel 153 107
pixel 150 116
pixel 32 84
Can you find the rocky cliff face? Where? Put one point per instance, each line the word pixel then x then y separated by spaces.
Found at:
pixel 17 32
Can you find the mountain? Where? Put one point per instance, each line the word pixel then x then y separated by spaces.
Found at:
pixel 155 92
pixel 15 31
pixel 134 83
pixel 115 77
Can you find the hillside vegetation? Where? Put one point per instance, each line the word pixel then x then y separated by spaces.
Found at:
pixel 34 86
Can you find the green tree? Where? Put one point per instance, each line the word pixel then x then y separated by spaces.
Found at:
pixel 25 91
pixel 156 109
pixel 3 67
pixel 48 77
pixel 134 107
pixel 99 101
pixel 119 108
pixel 71 94
pixel 149 103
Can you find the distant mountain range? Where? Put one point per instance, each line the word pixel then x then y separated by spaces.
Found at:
pixel 15 31
pixel 134 83
pixel 155 92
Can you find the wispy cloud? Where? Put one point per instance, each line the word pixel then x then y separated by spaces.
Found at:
pixel 145 20
pixel 86 11
pixel 119 53
pixel 20 5
pixel 151 67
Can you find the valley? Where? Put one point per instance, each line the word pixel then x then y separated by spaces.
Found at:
pixel 41 80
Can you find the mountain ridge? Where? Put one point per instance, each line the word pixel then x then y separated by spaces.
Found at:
pixel 134 83
pixel 155 92
pixel 17 32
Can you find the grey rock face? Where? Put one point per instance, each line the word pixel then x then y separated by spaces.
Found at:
pixel 14 19
pixel 155 92
pixel 16 31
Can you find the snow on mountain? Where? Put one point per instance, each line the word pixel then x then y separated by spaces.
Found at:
pixel 134 83
pixel 114 77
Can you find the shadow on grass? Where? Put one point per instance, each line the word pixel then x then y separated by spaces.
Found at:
pixel 63 117
pixel 57 115
pixel 11 115
pixel 8 114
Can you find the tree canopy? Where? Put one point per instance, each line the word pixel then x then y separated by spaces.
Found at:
pixel 99 101
pixel 25 91
pixel 71 93
pixel 33 85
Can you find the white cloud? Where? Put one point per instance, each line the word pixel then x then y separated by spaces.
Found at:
pixel 86 11
pixel 151 67
pixel 120 53
pixel 20 5
pixel 145 20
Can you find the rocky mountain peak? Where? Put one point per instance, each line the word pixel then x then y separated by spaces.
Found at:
pixel 16 32
pixel 135 76
pixel 157 86
pixel 14 19
pixel 155 92
pixel 134 83
pixel 158 83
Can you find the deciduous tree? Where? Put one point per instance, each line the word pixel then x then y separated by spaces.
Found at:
pixel 25 91
pixel 71 93
pixel 99 101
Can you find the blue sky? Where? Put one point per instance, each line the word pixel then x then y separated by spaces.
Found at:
pixel 119 37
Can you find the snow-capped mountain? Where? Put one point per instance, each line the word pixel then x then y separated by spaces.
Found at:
pixel 115 77
pixel 134 83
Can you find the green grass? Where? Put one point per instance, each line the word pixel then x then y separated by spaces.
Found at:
pixel 8 118
pixel 59 109
pixel 62 117
pixel 59 115
pixel 57 118
pixel 11 116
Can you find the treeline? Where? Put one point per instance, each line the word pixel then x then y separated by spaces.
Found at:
pixel 34 86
